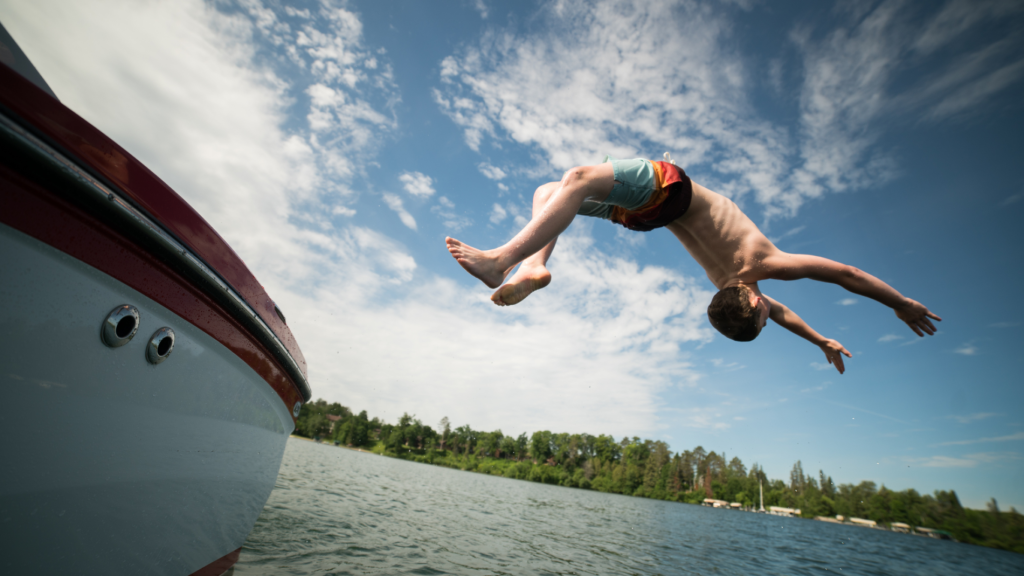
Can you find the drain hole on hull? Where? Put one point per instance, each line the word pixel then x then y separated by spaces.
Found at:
pixel 125 326
pixel 165 346
pixel 160 345
pixel 120 326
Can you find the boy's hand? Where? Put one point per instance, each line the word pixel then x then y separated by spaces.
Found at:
pixel 834 353
pixel 917 317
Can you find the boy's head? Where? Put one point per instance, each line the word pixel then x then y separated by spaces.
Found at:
pixel 738 313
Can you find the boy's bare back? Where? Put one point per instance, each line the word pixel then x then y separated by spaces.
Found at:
pixel 722 239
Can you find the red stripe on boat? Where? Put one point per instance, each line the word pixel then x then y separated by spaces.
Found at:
pixel 91 148
pixel 58 223
pixel 220 565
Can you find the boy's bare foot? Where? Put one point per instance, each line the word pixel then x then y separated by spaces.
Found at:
pixel 479 263
pixel 525 281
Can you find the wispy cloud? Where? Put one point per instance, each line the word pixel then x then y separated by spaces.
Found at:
pixel 395 203
pixel 847 406
pixel 788 233
pixel 724 366
pixel 481 7
pixel 821 366
pixel 1011 199
pixel 492 172
pixel 453 221
pixel 945 462
pixel 1004 324
pixel 498 214
pixel 582 83
pixel 972 417
pixel 966 461
pixel 417 184
pixel 818 388
pixel 847 302
pixel 890 338
pixel 706 417
pixel 967 349
pixel 1009 438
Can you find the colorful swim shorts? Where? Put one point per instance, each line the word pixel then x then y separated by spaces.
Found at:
pixel 647 195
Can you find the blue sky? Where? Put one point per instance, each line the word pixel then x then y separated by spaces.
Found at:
pixel 336 144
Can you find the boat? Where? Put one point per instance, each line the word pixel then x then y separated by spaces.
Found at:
pixel 150 383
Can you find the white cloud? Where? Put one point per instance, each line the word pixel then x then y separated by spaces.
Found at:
pixel 1012 199
pixel 498 214
pixel 946 462
pixel 788 233
pixel 966 461
pixel 1004 324
pixel 821 366
pixel 492 172
pixel 724 366
pixel 967 349
pixel 417 184
pixel 296 13
pixel 395 203
pixel 990 457
pixel 890 338
pixel 1009 438
pixel 973 417
pixel 817 388
pixel 584 82
pixel 453 222
pixel 481 7
pixel 847 302
pixel 701 417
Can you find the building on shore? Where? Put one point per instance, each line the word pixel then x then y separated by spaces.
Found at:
pixel 780 511
pixel 863 522
pixel 900 527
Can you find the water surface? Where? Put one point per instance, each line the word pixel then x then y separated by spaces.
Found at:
pixel 337 511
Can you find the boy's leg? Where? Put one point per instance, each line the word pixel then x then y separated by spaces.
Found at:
pixel 579 184
pixel 533 273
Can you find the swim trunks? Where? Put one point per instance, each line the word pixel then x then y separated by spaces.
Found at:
pixel 646 195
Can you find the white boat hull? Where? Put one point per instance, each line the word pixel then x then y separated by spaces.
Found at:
pixel 112 464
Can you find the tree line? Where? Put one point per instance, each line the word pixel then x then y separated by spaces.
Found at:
pixel 647 468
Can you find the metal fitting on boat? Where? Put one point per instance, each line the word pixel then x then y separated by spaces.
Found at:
pixel 160 345
pixel 120 325
pixel 297 409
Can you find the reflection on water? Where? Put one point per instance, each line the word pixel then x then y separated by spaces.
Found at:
pixel 335 511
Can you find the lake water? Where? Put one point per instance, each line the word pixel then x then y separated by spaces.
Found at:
pixel 337 511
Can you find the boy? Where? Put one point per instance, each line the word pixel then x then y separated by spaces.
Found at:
pixel 644 195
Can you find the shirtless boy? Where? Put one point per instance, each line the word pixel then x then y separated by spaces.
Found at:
pixel 643 195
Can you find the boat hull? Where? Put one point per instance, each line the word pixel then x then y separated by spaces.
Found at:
pixel 114 464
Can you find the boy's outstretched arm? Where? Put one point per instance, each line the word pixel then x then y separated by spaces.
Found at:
pixel 784 266
pixel 788 319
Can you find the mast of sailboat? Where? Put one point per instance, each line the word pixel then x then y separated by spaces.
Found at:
pixel 761 487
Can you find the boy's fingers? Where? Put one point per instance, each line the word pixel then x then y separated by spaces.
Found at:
pixel 935 316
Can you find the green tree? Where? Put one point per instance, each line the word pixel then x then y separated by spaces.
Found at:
pixel 540 446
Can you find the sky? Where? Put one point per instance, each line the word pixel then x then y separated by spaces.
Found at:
pixel 335 144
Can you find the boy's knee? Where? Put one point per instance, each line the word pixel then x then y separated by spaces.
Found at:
pixel 545 191
pixel 574 175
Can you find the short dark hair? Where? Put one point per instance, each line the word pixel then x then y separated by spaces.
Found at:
pixel 731 314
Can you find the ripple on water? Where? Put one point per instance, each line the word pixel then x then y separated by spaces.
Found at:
pixel 337 511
